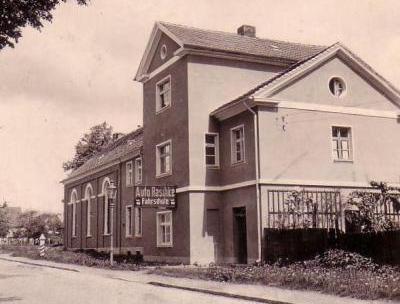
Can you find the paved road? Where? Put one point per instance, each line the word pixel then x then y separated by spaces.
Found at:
pixel 21 283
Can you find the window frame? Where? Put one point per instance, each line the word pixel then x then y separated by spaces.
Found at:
pixel 106 207
pixel 215 146
pixel 88 197
pixel 166 79
pixel 127 222
pixel 170 224
pixel 233 145
pixel 137 180
pixel 129 174
pixel 158 159
pixel 350 143
pixel 138 223
pixel 74 201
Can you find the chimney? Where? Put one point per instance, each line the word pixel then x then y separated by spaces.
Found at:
pixel 247 30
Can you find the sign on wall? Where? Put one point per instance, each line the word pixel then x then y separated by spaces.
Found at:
pixel 155 196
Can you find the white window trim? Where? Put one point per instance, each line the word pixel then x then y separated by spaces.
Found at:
pixel 137 234
pixel 158 173
pixel 216 165
pixel 74 202
pixel 127 234
pixel 88 199
pixel 129 182
pixel 159 244
pixel 138 181
pixel 158 109
pixel 352 151
pixel 106 202
pixel 233 161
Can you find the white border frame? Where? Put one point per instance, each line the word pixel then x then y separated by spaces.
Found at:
pixel 126 174
pixel 136 234
pixel 171 244
pixel 344 93
pixel 163 51
pixel 88 199
pixel 158 174
pixel 234 163
pixel 74 213
pixel 352 155
pixel 104 195
pixel 127 235
pixel 135 170
pixel 160 110
pixel 217 165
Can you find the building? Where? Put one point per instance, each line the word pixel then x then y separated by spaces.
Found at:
pixel 232 122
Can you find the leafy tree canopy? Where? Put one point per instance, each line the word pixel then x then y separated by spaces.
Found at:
pixel 16 14
pixel 91 143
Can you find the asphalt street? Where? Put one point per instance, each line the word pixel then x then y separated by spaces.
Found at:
pixel 21 283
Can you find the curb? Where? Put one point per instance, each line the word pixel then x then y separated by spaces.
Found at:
pixel 41 265
pixel 218 293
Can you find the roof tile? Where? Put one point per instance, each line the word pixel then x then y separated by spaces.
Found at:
pixel 235 43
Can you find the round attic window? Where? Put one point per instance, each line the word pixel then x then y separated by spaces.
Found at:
pixel 337 86
pixel 163 52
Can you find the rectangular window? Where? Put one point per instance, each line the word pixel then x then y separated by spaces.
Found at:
pixel 164 158
pixel 129 173
pixel 129 221
pixel 341 142
pixel 163 93
pixel 237 145
pixel 212 150
pixel 164 229
pixel 138 221
pixel 138 170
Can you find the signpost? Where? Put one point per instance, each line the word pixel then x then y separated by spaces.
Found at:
pixel 155 197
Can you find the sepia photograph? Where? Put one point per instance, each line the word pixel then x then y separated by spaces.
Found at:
pixel 225 151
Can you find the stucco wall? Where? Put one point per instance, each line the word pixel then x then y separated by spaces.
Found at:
pixel 212 83
pixel 313 88
pixel 243 197
pixel 303 150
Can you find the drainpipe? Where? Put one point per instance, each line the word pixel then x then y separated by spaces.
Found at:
pixel 258 192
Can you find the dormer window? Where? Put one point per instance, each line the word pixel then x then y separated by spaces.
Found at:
pixel 337 87
pixel 163 91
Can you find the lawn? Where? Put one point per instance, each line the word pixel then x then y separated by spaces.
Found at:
pixel 58 254
pixel 335 272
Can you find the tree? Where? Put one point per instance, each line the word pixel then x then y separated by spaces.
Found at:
pixel 4 220
pixel 91 143
pixel 33 223
pixel 16 14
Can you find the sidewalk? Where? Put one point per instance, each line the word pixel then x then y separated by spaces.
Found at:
pixel 258 293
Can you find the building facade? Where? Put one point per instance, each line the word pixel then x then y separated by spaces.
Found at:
pixel 229 122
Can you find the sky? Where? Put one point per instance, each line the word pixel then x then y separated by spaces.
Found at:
pixel 78 71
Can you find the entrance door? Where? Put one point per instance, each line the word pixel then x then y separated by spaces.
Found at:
pixel 240 234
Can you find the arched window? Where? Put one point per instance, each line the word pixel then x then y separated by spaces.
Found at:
pixel 73 201
pixel 88 198
pixel 107 219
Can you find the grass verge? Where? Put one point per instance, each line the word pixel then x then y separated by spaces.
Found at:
pixel 57 254
pixel 336 272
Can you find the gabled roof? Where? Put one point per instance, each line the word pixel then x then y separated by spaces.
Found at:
pixel 272 85
pixel 128 144
pixel 191 38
